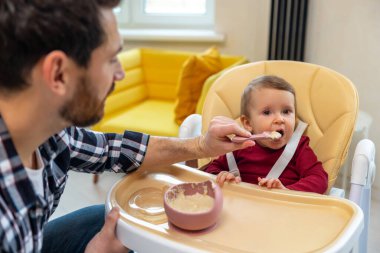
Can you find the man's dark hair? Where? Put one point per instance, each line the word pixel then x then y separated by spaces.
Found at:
pixel 30 29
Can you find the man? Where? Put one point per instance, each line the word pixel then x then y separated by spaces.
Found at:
pixel 57 65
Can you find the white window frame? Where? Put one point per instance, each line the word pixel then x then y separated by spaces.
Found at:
pixel 131 15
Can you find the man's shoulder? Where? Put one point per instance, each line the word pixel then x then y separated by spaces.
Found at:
pixel 56 143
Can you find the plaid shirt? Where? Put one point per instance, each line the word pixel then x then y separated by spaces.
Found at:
pixel 23 213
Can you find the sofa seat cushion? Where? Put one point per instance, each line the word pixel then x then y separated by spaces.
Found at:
pixel 153 116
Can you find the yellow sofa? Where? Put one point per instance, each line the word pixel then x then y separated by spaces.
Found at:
pixel 144 100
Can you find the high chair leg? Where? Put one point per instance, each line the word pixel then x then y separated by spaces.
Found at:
pixel 362 176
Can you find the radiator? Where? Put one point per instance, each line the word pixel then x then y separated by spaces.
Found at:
pixel 287 30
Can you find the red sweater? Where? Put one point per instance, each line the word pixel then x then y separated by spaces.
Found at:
pixel 303 173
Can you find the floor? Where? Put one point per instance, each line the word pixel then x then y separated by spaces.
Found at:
pixel 81 192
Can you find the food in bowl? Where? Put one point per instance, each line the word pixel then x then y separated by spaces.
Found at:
pixel 193 206
pixel 195 203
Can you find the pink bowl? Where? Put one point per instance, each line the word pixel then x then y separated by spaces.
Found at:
pixel 190 220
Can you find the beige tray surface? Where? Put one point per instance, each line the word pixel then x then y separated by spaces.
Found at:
pixel 253 219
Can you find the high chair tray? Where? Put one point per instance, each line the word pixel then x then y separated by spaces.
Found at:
pixel 253 219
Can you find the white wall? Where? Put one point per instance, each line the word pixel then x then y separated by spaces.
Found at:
pixel 345 35
pixel 245 24
pixel 342 34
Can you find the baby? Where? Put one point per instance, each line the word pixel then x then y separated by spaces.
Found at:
pixel 268 104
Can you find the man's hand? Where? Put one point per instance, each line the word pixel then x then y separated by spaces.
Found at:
pixel 224 176
pixel 164 151
pixel 216 141
pixel 271 183
pixel 106 241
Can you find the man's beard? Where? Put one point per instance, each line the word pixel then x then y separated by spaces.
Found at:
pixel 84 108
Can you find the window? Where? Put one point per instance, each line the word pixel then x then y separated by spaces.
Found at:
pixel 166 14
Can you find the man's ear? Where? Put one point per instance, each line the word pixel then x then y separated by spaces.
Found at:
pixel 245 122
pixel 55 69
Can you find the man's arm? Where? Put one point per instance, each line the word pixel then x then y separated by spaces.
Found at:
pixel 168 150
pixel 95 152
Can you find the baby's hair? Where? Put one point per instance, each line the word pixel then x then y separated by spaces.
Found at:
pixel 271 82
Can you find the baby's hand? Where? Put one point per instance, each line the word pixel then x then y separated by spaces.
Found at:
pixel 271 183
pixel 226 176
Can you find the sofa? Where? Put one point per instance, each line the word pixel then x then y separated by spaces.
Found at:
pixel 146 99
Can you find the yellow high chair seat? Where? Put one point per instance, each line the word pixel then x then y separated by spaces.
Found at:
pixel 326 100
pixel 144 101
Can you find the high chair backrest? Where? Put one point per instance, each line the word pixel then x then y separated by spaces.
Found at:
pixel 326 100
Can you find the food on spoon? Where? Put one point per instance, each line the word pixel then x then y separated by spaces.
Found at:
pixel 274 135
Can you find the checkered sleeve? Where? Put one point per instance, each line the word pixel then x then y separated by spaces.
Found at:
pixel 96 152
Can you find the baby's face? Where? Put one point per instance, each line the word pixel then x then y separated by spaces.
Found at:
pixel 271 110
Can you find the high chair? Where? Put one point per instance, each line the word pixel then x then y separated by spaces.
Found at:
pixel 253 218
pixel 326 100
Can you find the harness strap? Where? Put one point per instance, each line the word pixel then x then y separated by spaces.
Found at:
pixel 282 161
pixel 288 152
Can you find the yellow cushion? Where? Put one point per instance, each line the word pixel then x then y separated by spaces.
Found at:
pixel 194 73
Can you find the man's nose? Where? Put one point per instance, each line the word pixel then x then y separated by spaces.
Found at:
pixel 119 73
